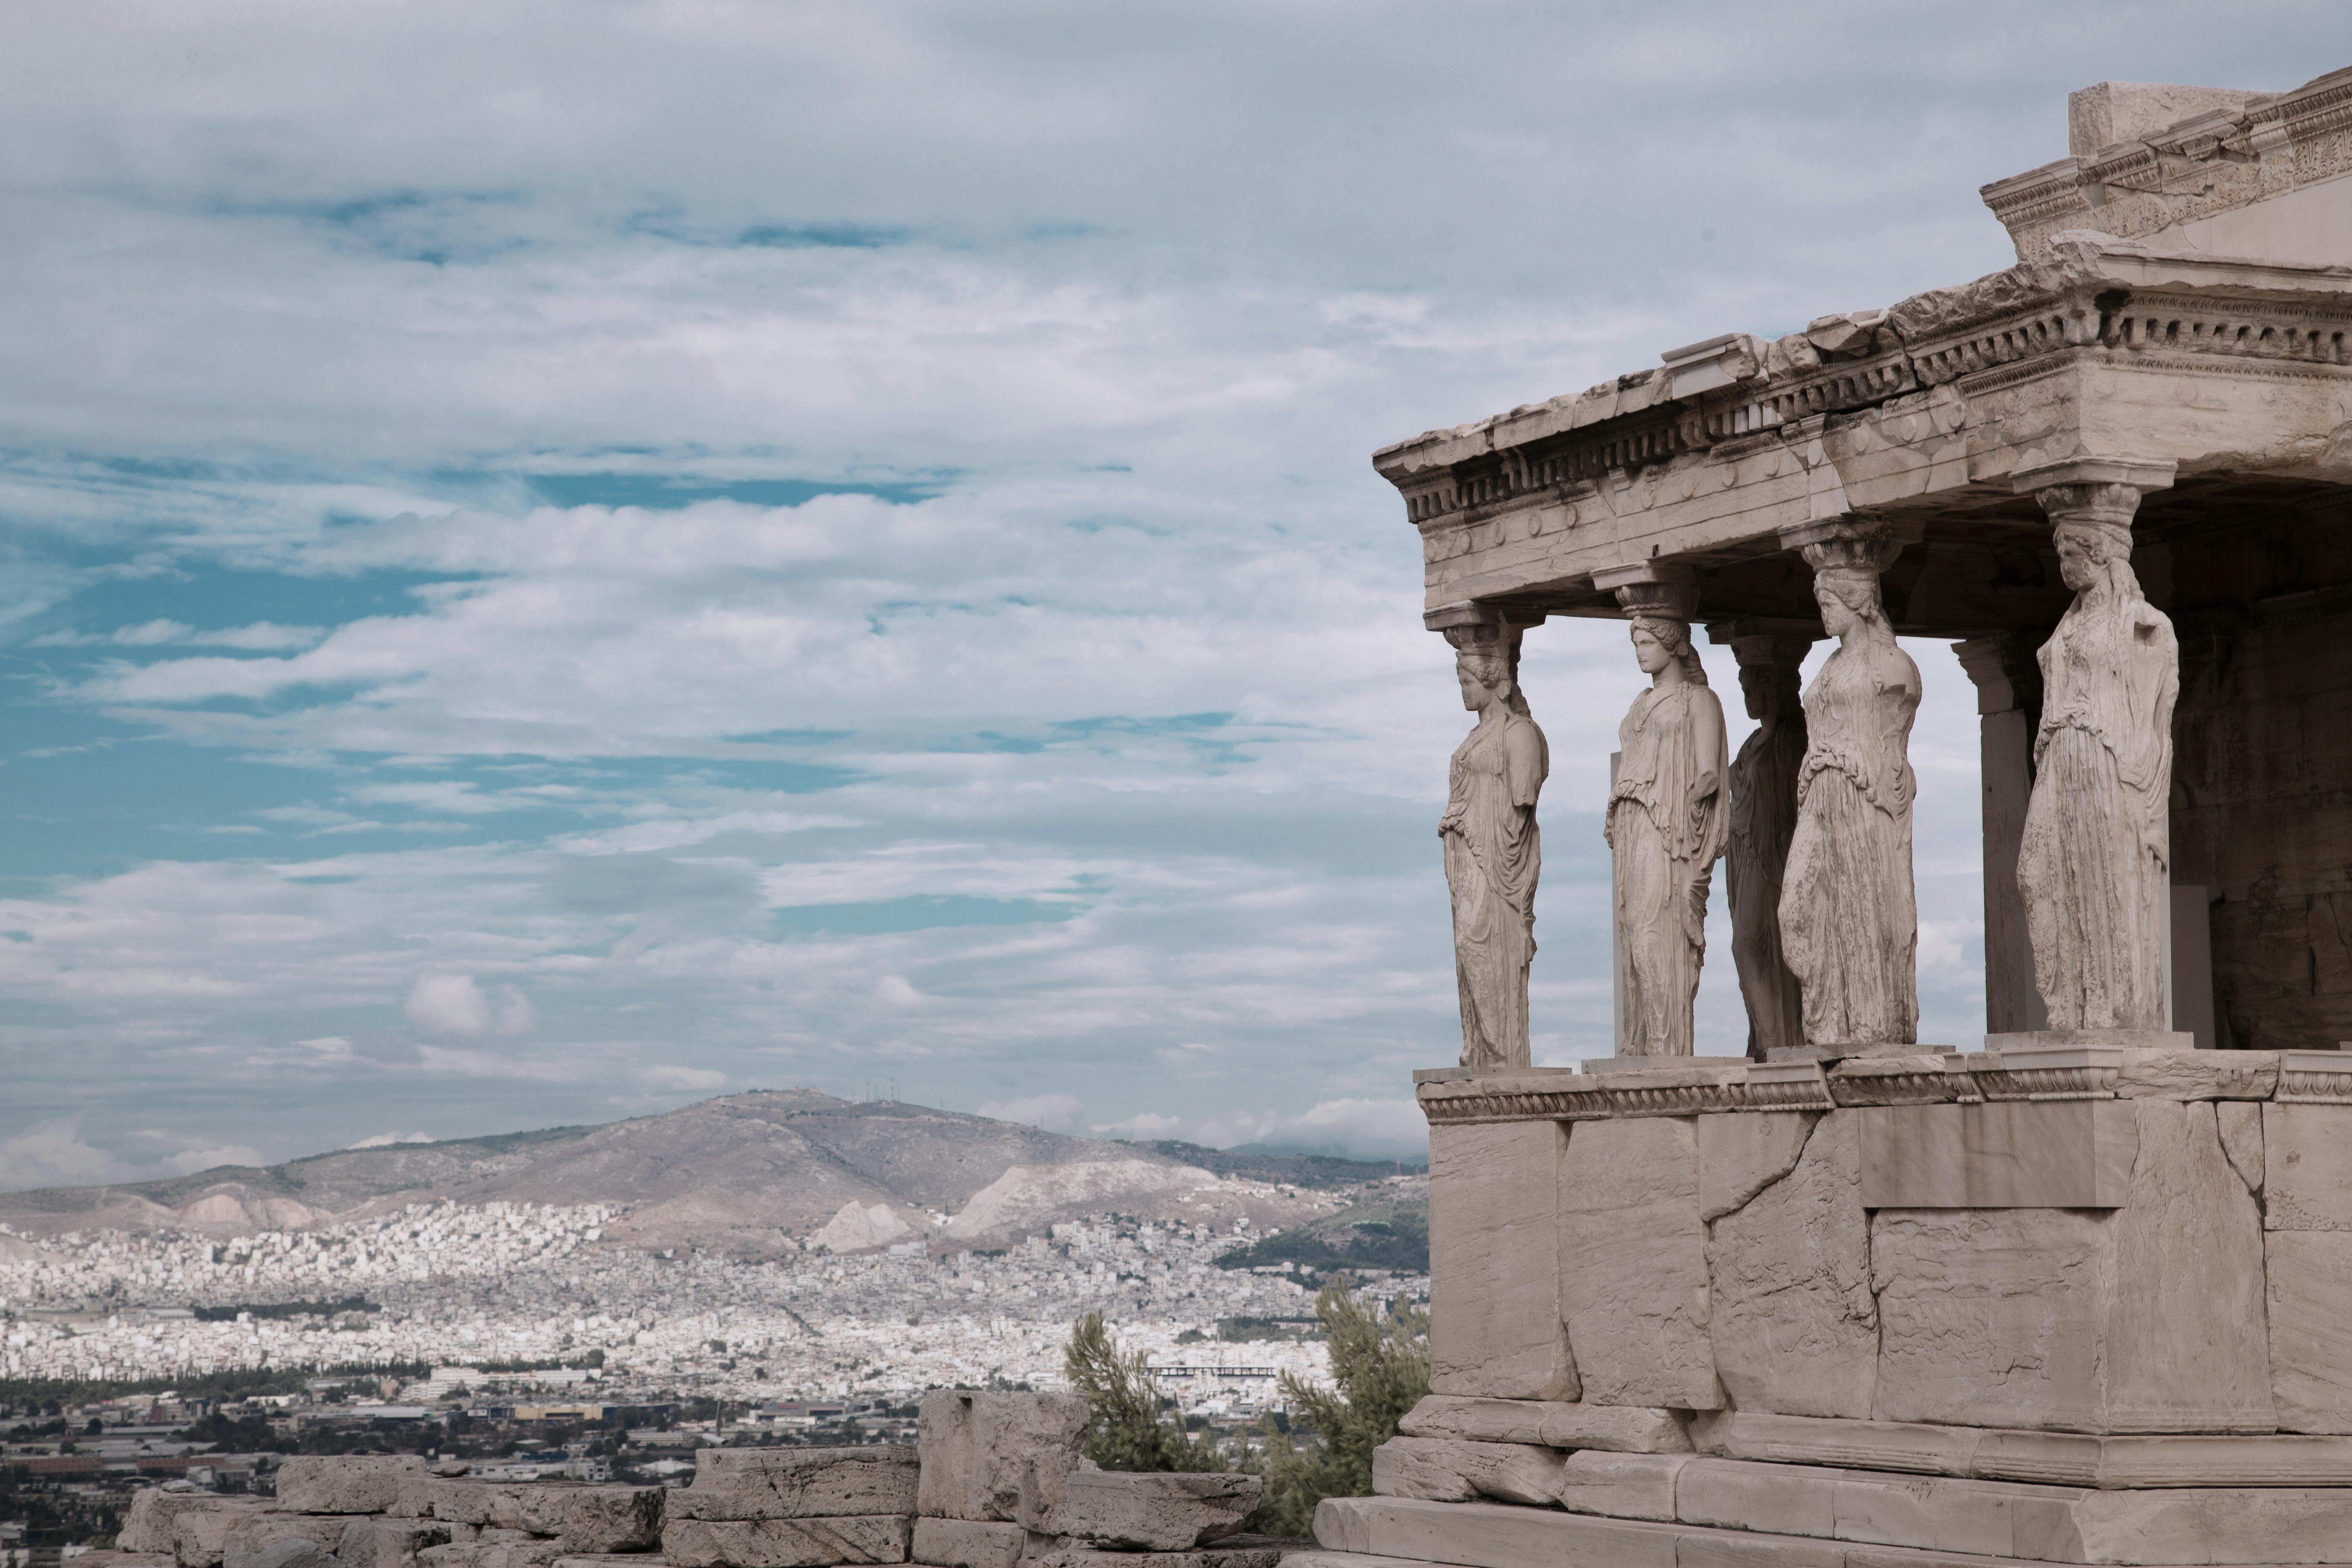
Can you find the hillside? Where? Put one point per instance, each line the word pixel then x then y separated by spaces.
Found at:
pixel 745 1173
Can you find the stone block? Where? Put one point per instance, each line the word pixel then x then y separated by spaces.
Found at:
pixel 786 1542
pixel 1621 1428
pixel 2309 1282
pixel 1740 1154
pixel 1494 1262
pixel 2242 1141
pixel 457 1500
pixel 800 1483
pixel 1141 1511
pixel 2140 1319
pixel 147 1526
pixel 1794 1325
pixel 1864 1444
pixel 284 1554
pixel 595 1519
pixel 968 1543
pixel 386 1542
pixel 493 1549
pixel 1623 1485
pixel 2269 1524
pixel 1242 1552
pixel 611 1559
pixel 1493 1535
pixel 1632 1264
pixel 200 1534
pixel 2006 1154
pixel 975 1448
pixel 2184 1341
pixel 345 1484
pixel 2197 1074
pixel 2307 1167
pixel 258 1532
pixel 1455 1469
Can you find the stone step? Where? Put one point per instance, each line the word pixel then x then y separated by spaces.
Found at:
pixel 1776 1514
pixel 2062 1459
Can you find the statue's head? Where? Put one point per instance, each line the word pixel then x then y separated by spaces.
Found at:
pixel 1848 597
pixel 2089 550
pixel 1485 662
pixel 1485 676
pixel 1661 642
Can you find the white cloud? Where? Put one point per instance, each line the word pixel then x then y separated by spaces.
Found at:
pixel 1051 1111
pixel 676 1076
pixel 52 1154
pixel 1377 1127
pixel 386 1139
pixel 454 1005
pixel 188 1161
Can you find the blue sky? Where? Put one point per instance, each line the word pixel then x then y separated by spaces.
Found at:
pixel 556 559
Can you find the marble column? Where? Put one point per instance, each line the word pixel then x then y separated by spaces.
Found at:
pixel 2009 708
pixel 1493 851
pixel 1668 816
pixel 1849 918
pixel 1763 819
pixel 2094 861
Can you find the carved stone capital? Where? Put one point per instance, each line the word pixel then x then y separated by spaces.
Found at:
pixel 2003 670
pixel 1666 589
pixel 1849 544
pixel 2096 492
pixel 1777 646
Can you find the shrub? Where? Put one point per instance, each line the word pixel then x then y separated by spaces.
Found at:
pixel 1379 1370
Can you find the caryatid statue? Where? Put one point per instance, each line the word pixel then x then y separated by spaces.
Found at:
pixel 1763 820
pixel 1849 919
pixel 1492 850
pixel 1667 822
pixel 2094 863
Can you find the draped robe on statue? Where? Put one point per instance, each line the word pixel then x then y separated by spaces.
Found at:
pixel 1763 819
pixel 1493 854
pixel 1849 918
pixel 2095 860
pixel 1663 853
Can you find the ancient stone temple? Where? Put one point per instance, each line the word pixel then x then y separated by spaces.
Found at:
pixel 2084 1295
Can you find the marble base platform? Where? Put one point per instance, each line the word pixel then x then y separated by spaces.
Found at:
pixel 1852 1050
pixel 1653 1064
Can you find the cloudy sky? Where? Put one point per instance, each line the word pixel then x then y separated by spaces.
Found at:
pixel 557 559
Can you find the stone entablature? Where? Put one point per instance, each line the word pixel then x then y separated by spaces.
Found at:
pixel 2224 159
pixel 1942 393
pixel 1702 1085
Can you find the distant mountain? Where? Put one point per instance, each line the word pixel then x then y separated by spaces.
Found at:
pixel 747 1173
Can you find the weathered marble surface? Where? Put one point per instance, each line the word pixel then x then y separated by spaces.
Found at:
pixel 1493 849
pixel 2009 1153
pixel 1619 1428
pixel 2094 863
pixel 1763 820
pixel 2147 1318
pixel 1453 1469
pixel 1632 1250
pixel 1849 921
pixel 1794 1324
pixel 1495 1326
pixel 1667 822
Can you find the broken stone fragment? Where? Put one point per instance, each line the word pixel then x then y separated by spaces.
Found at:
pixel 1622 1429
pixel 798 1483
pixel 497 1504
pixel 786 1542
pixel 976 1447
pixel 593 1519
pixel 1143 1512
pixel 968 1543
pixel 200 1534
pixel 284 1554
pixel 1240 1552
pixel 1846 332
pixel 345 1483
pixel 1455 1469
